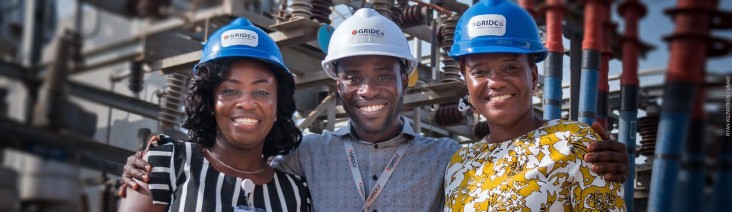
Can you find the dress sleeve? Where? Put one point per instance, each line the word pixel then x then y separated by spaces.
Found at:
pixel 589 189
pixel 453 178
pixel 163 175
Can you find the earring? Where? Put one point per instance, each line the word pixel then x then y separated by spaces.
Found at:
pixel 275 118
pixel 464 103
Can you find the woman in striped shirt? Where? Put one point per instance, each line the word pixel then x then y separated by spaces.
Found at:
pixel 238 113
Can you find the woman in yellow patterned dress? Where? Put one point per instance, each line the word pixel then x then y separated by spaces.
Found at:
pixel 526 163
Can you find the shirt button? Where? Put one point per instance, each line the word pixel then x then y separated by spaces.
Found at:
pixel 376 146
pixel 375 177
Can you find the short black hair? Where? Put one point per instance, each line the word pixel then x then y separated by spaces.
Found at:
pixel 199 106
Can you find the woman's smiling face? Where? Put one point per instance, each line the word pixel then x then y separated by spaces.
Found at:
pixel 500 85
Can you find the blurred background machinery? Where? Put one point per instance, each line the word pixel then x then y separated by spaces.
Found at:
pixel 84 83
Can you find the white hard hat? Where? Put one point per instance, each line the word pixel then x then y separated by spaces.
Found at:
pixel 367 33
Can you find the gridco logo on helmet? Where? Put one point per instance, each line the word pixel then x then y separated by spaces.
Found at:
pixel 242 39
pixel 239 37
pixel 367 33
pixel 497 26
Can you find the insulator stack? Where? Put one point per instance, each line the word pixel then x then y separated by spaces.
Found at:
pixel 648 129
pixel 383 7
pixel 282 15
pixel 321 11
pixel 451 71
pixel 136 77
pixel 396 15
pixel 413 15
pixel 448 115
pixel 481 130
pixel 170 107
pixel 301 9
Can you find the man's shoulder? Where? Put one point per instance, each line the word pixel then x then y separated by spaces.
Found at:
pixel 441 144
pixel 324 138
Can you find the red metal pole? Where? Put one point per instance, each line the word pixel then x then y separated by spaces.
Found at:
pixel 606 55
pixel 590 60
pixel 631 10
pixel 530 6
pixel 688 58
pixel 552 98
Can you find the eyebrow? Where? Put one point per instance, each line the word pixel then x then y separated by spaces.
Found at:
pixel 503 59
pixel 259 81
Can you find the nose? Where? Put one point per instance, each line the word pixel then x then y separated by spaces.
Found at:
pixel 368 90
pixel 246 102
pixel 496 81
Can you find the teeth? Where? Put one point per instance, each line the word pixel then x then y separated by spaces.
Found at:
pixel 372 108
pixel 499 98
pixel 246 121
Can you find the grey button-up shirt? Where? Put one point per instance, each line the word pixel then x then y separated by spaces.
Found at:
pixel 415 185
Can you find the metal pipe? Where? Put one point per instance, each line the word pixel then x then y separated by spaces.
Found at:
pixel 575 67
pixel 529 6
pixel 32 47
pixel 691 175
pixel 605 56
pixel 631 10
pixel 552 98
pixel 590 60
pixel 688 57
pixel 723 174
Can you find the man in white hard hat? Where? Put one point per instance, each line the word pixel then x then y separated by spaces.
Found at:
pixel 376 162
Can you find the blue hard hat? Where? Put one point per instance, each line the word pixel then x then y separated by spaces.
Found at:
pixel 497 26
pixel 242 39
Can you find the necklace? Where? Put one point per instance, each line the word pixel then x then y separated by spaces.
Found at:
pixel 232 168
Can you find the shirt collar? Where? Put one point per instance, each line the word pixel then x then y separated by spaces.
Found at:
pixel 406 130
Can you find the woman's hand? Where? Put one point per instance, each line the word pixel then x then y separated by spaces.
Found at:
pixel 136 168
pixel 608 157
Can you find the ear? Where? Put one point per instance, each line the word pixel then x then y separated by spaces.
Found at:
pixel 534 75
pixel 338 85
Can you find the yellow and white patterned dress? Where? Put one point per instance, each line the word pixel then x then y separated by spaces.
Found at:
pixel 540 171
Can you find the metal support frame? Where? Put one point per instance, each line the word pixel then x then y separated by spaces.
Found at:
pixel 68 148
pixel 323 106
pixel 98 95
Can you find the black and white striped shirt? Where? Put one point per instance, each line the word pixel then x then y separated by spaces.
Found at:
pixel 183 179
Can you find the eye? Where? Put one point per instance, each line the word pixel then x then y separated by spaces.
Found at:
pixel 261 93
pixel 384 77
pixel 229 92
pixel 353 79
pixel 479 72
pixel 511 68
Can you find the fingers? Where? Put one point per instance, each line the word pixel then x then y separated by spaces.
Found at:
pixel 122 192
pixel 615 177
pixel 601 130
pixel 603 168
pixel 136 162
pixel 607 145
pixel 606 157
pixel 134 172
pixel 153 139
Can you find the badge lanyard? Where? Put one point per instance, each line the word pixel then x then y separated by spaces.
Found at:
pixel 356 173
